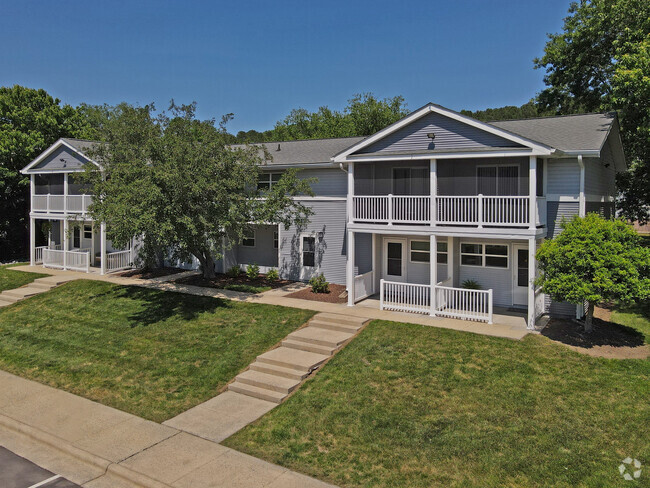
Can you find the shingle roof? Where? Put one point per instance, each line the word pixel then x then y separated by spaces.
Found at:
pixel 79 144
pixel 308 150
pixel 585 132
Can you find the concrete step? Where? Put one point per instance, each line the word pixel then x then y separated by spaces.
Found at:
pixel 254 391
pixel 24 292
pixel 279 370
pixel 53 280
pixel 268 381
pixel 351 329
pixel 42 286
pixel 5 300
pixel 296 359
pixel 341 319
pixel 321 337
pixel 307 346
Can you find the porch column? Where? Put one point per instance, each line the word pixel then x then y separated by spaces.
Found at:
pixel 581 199
pixel 433 182
pixel 66 241
pixel 451 241
pixel 532 266
pixel 65 192
pixel 102 244
pixel 32 241
pixel 433 272
pixel 350 269
pixel 532 193
pixel 375 271
pixel 350 201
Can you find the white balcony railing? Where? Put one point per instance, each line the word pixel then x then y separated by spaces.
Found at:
pixel 477 210
pixel 61 203
pixel 451 302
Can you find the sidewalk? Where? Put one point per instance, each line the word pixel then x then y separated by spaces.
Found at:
pixel 507 326
pixel 100 447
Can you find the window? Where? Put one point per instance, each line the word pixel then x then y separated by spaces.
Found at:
pixel 442 252
pixel 309 251
pixel 497 180
pixel 267 180
pixel 88 231
pixel 420 252
pixel 411 181
pixel 249 239
pixel 76 237
pixel 488 255
pixel 276 239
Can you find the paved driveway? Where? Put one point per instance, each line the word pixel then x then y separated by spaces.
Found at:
pixel 18 472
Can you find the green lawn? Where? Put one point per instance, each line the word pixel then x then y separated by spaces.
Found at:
pixel 151 353
pixel 413 406
pixel 10 279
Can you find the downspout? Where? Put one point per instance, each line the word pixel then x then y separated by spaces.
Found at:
pixel 581 202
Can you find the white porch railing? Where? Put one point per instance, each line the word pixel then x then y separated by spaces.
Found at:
pixel 74 260
pixel 451 302
pixel 476 210
pixel 61 203
pixel 404 297
pixel 540 303
pixel 364 286
pixel 117 261
pixel 38 254
pixel 459 303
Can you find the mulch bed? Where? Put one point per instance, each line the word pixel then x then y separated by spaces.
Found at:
pixel 222 281
pixel 608 339
pixel 151 273
pixel 331 297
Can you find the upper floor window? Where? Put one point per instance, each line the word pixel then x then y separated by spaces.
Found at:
pixel 267 180
pixel 411 181
pixel 497 180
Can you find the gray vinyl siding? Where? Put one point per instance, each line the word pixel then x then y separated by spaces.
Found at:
pixel 331 182
pixel 329 218
pixel 263 254
pixel 599 179
pixel 457 177
pixel 62 159
pixel 555 212
pixel 563 177
pixel 450 134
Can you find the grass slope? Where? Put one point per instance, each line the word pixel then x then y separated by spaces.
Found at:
pixel 10 279
pixel 413 406
pixel 151 353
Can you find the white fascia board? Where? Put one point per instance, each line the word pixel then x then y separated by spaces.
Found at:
pixel 271 167
pixel 60 142
pixel 542 148
pixel 466 232
pixel 455 155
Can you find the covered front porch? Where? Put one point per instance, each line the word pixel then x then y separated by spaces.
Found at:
pixel 469 276
pixel 76 245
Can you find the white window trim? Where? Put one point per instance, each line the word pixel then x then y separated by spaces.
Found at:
pixel 429 252
pixel 267 177
pixel 501 165
pixel 248 237
pixel 443 252
pixel 276 239
pixel 483 255
pixel 91 231
pixel 315 267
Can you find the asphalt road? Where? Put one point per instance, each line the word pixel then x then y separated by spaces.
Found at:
pixel 18 472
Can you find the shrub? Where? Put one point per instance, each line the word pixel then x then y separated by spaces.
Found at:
pixel 471 285
pixel 253 271
pixel 272 275
pixel 234 271
pixel 319 284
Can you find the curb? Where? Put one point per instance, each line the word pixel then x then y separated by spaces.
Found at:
pixel 110 468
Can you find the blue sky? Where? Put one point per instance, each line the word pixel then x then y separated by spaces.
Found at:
pixel 260 59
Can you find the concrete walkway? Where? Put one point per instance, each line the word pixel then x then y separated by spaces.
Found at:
pixel 97 446
pixel 39 285
pixel 270 379
pixel 511 326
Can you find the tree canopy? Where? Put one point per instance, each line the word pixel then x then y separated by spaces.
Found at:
pixel 600 62
pixel 176 181
pixel 595 260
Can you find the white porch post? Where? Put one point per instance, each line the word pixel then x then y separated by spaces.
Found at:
pixel 433 273
pixel 433 182
pixel 65 192
pixel 350 201
pixel 581 208
pixel 350 270
pixel 375 271
pixel 66 242
pixel 102 244
pixel 532 266
pixel 532 193
pixel 32 241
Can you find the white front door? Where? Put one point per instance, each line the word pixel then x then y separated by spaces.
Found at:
pixel 394 261
pixel 520 275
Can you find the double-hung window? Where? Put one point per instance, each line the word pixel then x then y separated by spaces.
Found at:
pixel 421 251
pixel 267 180
pixel 88 231
pixel 309 251
pixel 76 238
pixel 249 239
pixel 484 255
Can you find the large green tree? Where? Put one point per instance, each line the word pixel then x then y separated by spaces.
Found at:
pixel 599 62
pixel 595 260
pixel 30 121
pixel 176 181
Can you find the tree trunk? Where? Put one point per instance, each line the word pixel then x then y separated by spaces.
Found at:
pixel 589 318
pixel 208 266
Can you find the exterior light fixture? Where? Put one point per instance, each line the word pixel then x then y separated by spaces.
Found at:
pixel 431 135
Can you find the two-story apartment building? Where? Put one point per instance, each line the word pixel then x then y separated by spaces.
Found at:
pixel 429 203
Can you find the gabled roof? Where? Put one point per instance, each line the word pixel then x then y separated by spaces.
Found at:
pixel 76 145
